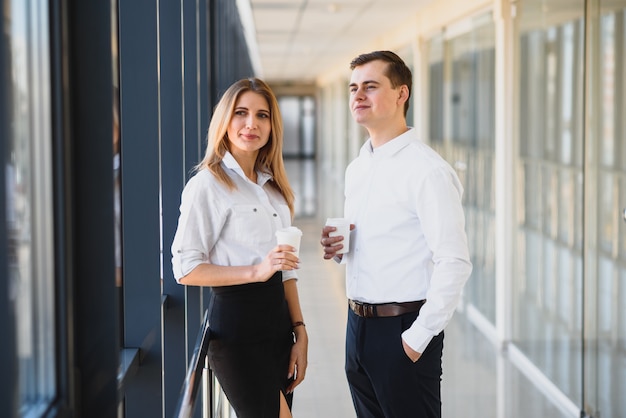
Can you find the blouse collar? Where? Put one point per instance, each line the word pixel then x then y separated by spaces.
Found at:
pixel 231 163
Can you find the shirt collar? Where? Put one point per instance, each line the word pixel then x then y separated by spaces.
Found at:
pixel 391 147
pixel 232 164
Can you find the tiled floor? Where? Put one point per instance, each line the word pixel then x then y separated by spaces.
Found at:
pixel 324 392
pixel 478 380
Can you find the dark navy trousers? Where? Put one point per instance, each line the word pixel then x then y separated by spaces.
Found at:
pixel 384 382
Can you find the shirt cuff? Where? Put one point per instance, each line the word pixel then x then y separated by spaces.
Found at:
pixel 417 337
pixel 184 262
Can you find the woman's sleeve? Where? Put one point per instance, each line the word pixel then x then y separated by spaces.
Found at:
pixel 196 231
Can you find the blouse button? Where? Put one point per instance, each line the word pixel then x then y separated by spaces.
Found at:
pixel 254 210
pixel 275 215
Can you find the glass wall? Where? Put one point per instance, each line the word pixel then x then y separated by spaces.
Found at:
pixel 547 286
pixel 436 79
pixel 563 318
pixel 28 171
pixel 605 203
pixel 461 127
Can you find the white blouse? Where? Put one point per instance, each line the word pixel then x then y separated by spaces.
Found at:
pixel 227 227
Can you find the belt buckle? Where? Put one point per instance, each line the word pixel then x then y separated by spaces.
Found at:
pixel 354 306
pixel 358 308
pixel 364 310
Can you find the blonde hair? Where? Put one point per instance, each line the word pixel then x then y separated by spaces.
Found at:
pixel 270 157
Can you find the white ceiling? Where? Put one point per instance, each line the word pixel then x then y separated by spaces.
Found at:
pixel 297 40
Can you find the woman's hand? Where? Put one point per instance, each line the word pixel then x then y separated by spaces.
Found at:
pixel 298 361
pixel 280 258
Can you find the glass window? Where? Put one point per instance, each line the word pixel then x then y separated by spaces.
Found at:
pixel 461 107
pixel 30 217
pixel 548 275
pixel 607 131
pixel 436 89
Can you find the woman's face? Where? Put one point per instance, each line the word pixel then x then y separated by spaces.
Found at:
pixel 250 127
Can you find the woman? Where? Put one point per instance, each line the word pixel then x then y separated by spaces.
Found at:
pixel 230 210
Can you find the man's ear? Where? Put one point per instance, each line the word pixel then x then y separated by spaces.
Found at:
pixel 403 94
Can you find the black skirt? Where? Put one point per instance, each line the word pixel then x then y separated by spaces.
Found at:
pixel 250 346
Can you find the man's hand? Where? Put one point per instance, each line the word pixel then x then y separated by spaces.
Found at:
pixel 410 353
pixel 330 243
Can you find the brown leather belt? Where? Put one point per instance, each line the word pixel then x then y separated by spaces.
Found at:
pixel 368 310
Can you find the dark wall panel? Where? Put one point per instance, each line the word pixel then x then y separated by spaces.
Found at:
pixel 8 396
pixel 90 75
pixel 173 179
pixel 140 173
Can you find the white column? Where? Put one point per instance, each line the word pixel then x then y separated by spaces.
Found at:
pixel 505 168
pixel 505 164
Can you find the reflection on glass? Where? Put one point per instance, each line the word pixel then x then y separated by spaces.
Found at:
pixel 547 287
pixel 117 185
pixel 30 217
pixel 462 129
pixel 436 90
pixel 609 135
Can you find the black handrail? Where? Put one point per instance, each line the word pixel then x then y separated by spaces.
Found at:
pixel 193 379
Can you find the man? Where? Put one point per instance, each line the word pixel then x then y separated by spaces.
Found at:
pixel 408 259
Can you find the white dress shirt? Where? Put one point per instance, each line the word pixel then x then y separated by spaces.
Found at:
pixel 409 241
pixel 227 227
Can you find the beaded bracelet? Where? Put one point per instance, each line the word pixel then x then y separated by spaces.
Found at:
pixel 298 323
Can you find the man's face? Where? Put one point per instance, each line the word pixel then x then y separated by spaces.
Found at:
pixel 372 99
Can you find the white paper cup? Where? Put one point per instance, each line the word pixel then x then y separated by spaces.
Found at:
pixel 290 236
pixel 343 229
